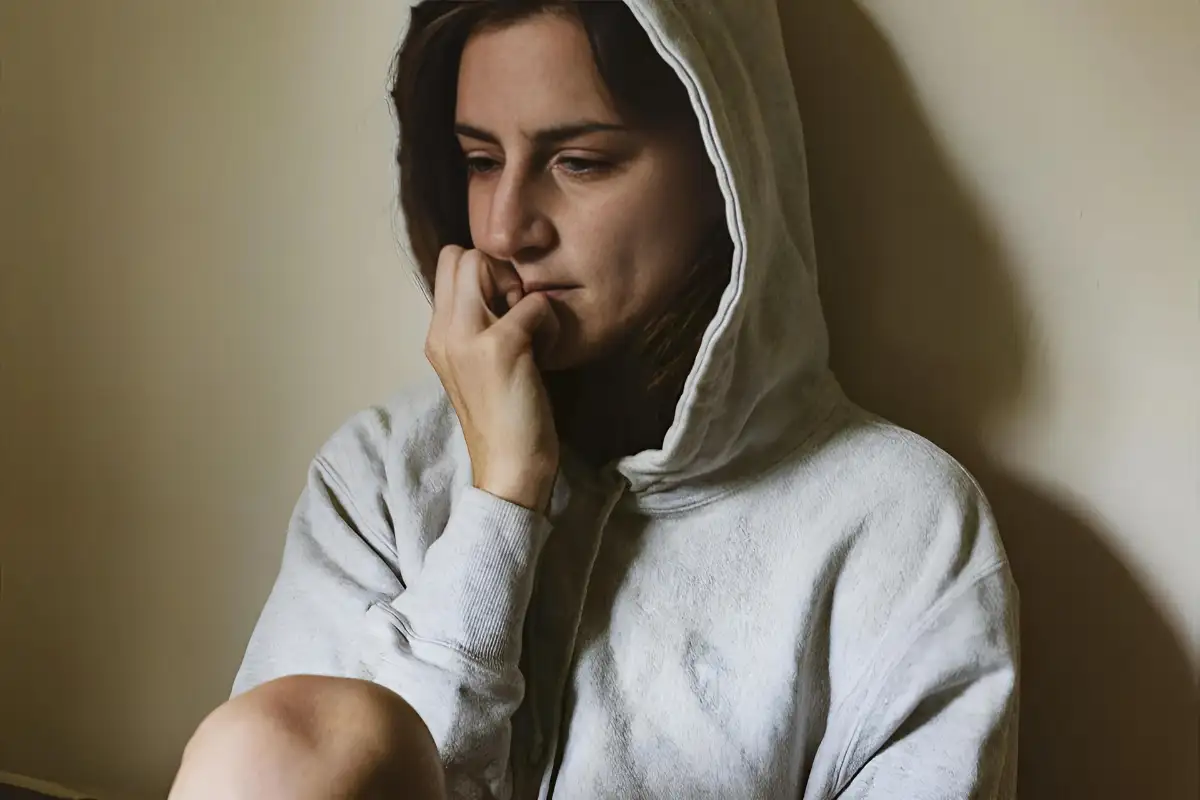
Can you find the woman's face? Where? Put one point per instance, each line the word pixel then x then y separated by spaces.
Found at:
pixel 605 218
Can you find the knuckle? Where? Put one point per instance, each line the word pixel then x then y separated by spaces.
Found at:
pixel 450 253
pixel 473 259
pixel 435 351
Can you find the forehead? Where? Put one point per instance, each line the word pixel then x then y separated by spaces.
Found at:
pixel 532 74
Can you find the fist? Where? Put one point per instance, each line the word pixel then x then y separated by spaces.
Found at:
pixel 482 342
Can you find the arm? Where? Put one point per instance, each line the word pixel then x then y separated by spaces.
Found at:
pixel 448 642
pixel 446 639
pixel 924 645
pixel 942 721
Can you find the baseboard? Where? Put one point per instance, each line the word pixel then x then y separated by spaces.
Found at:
pixel 44 788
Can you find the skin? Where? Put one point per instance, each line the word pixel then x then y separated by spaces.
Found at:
pixel 584 224
pixel 308 737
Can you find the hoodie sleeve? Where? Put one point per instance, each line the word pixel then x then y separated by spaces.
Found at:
pixel 924 654
pixel 447 639
pixel 941 722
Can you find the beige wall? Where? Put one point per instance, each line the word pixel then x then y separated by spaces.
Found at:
pixel 1007 202
pixel 199 281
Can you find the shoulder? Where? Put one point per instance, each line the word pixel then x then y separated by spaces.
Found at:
pixel 416 424
pixel 888 465
pixel 907 529
pixel 905 498
pixel 921 607
pixel 403 453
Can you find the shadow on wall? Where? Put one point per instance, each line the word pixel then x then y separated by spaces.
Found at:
pixel 929 329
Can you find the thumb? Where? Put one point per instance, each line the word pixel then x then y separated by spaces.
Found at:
pixel 533 321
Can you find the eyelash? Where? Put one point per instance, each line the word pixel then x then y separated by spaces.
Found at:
pixel 577 167
pixel 477 165
pixel 585 166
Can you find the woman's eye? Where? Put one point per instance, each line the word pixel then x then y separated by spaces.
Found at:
pixel 480 165
pixel 582 166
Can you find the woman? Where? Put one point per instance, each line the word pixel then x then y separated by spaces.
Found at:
pixel 636 543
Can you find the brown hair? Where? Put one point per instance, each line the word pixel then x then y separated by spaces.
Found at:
pixel 433 175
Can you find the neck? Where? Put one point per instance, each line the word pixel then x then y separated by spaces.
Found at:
pixel 607 410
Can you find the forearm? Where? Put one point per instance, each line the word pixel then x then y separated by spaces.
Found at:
pixel 447 640
pixel 453 639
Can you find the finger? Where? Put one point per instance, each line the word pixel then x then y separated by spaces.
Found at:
pixel 443 282
pixel 531 324
pixel 506 281
pixel 443 295
pixel 470 313
pixel 488 290
pixel 499 285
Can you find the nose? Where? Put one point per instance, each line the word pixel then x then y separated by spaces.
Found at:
pixel 516 228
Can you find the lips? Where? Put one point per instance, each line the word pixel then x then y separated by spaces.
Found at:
pixel 532 287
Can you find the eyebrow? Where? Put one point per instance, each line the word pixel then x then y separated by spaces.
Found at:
pixel 543 138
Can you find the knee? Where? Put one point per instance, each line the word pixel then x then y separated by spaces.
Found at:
pixel 305 737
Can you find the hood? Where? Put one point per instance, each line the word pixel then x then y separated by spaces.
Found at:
pixel 760 382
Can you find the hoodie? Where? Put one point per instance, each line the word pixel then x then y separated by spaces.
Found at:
pixel 790 598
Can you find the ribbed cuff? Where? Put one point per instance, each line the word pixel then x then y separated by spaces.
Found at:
pixel 477 579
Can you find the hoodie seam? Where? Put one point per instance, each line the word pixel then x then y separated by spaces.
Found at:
pixel 887 427
pixel 742 484
pixel 932 615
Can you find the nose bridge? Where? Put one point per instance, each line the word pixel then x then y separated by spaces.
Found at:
pixel 513 215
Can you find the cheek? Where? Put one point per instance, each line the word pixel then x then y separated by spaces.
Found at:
pixel 632 246
pixel 613 240
pixel 637 251
pixel 657 230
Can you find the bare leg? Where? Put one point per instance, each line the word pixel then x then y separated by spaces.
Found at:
pixel 312 738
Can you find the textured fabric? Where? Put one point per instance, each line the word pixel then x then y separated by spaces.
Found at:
pixel 791 598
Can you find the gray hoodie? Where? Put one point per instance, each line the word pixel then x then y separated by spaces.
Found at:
pixel 790 599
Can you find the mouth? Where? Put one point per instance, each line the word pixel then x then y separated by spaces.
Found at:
pixel 549 289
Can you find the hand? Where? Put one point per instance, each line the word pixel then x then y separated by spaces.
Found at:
pixel 481 343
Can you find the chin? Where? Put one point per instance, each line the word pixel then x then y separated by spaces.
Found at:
pixel 570 353
pixel 579 344
pixel 560 359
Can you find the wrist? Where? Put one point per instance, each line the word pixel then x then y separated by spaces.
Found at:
pixel 530 490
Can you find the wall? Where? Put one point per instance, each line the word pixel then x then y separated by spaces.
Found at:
pixel 198 282
pixel 1007 202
